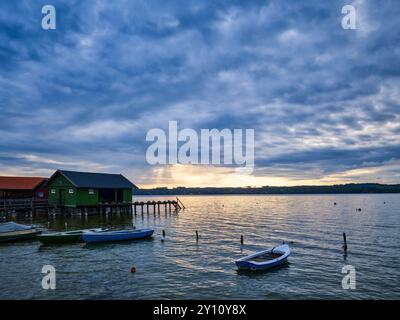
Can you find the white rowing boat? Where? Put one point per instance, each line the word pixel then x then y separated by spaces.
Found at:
pixel 265 259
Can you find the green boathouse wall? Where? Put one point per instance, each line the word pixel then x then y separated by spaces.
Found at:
pixel 64 194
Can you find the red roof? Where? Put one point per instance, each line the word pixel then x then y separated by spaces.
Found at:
pixel 20 183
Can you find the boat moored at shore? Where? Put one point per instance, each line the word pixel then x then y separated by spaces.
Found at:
pixel 11 231
pixel 74 236
pixel 115 236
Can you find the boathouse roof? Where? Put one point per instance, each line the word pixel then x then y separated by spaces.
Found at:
pixel 96 180
pixel 20 183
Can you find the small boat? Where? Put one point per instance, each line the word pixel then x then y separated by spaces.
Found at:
pixel 74 236
pixel 265 259
pixel 11 231
pixel 113 236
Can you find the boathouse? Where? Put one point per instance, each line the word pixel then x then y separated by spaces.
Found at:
pixel 84 189
pixel 23 188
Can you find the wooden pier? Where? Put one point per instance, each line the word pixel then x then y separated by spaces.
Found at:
pixel 157 206
pixel 33 207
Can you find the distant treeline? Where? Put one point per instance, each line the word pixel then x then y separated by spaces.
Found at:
pixel 343 188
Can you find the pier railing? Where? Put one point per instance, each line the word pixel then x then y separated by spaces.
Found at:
pixel 25 204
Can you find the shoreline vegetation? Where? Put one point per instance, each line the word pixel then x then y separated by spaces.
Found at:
pixel 333 189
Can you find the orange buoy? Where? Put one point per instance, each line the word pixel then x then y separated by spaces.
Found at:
pixel 133 269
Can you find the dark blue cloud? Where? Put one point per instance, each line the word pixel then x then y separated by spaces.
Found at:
pixel 84 95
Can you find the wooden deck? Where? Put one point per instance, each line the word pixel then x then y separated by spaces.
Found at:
pixel 34 207
pixel 28 206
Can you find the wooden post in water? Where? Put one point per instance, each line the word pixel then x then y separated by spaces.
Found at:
pixel 241 240
pixel 163 235
pixel 197 236
pixel 344 242
pixel 180 202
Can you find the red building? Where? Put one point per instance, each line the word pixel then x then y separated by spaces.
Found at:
pixel 23 187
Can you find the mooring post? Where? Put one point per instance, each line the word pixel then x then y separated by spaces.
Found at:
pixel 344 242
pixel 197 236
pixel 241 240
pixel 163 235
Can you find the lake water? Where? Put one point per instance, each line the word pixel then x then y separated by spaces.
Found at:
pixel 180 268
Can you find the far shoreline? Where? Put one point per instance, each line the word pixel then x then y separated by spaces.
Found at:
pixel 261 194
pixel 366 188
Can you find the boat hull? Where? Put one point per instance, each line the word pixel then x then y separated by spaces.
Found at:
pixel 115 236
pixel 19 235
pixel 59 239
pixel 245 265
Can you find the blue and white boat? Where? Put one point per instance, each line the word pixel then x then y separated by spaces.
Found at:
pixel 265 259
pixel 114 236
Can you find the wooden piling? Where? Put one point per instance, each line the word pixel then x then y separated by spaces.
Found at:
pixel 197 236
pixel 241 240
pixel 344 242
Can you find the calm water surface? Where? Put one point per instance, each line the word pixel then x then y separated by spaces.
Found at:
pixel 179 268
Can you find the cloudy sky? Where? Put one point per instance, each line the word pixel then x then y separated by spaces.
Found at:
pixel 323 101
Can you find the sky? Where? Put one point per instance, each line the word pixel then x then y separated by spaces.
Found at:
pixel 323 101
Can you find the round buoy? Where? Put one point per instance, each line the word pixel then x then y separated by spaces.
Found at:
pixel 133 269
